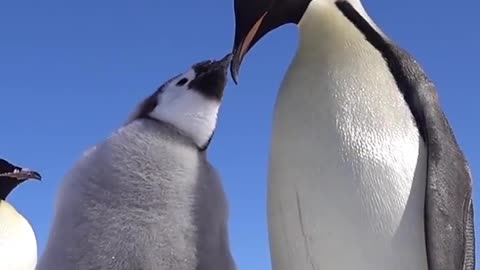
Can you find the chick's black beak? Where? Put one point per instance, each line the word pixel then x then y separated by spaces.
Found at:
pixel 211 77
pixel 223 63
pixel 23 174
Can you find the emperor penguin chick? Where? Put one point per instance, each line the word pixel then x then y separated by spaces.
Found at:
pixel 147 198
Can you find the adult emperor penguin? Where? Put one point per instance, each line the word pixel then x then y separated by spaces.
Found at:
pixel 18 245
pixel 147 198
pixel 365 171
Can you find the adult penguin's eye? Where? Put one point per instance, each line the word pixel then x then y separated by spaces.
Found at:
pixel 182 82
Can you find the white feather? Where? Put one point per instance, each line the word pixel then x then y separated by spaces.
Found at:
pixel 347 167
pixel 18 245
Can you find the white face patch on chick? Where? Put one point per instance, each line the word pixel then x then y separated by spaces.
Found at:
pixel 190 101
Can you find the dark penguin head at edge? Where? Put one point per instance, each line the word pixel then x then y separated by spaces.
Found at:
pixel 11 176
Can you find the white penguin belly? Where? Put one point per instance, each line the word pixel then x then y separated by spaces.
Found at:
pixel 18 246
pixel 347 167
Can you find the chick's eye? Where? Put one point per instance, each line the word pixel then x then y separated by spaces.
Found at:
pixel 182 82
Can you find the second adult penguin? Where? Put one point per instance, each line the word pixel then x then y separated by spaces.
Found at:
pixel 18 244
pixel 147 197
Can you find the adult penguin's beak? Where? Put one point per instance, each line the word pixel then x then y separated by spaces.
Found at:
pixel 249 16
pixel 256 18
pixel 23 174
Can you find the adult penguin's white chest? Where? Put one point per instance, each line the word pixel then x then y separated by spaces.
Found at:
pixel 18 246
pixel 347 167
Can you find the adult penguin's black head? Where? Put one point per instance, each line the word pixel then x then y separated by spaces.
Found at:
pixel 11 176
pixel 256 18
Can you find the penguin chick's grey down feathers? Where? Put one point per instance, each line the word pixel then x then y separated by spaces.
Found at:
pixel 147 198
pixel 18 245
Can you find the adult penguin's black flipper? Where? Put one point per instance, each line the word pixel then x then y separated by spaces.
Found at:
pixel 449 224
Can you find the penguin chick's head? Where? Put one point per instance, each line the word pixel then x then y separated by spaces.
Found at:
pixel 11 176
pixel 190 101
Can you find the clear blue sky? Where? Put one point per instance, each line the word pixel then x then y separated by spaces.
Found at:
pixel 71 71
